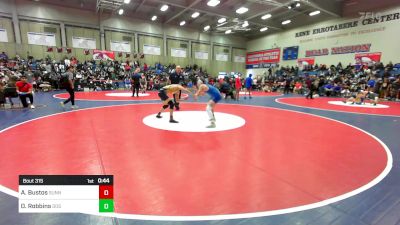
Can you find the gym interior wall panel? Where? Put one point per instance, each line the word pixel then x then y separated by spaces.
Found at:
pixel 82 32
pixel 38 51
pixel 204 63
pixel 53 12
pixel 120 36
pixel 130 24
pixel 149 40
pixel 221 66
pixel 238 66
pixel 8 47
pixel 383 37
pixel 177 44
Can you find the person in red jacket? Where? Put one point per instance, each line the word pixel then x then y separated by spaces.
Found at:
pixel 238 86
pixel 24 90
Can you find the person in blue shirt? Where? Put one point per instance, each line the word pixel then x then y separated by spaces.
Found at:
pixel 328 89
pixel 248 83
pixel 371 83
pixel 215 97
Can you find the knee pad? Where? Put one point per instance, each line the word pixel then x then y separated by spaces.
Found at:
pixel 165 106
pixel 171 104
pixel 176 103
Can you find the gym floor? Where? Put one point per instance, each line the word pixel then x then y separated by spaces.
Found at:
pixel 272 159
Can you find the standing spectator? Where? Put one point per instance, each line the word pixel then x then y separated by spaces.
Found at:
pixel 311 87
pixel 143 83
pixel 288 81
pixel 67 82
pixel 24 90
pixel 248 85
pixel 238 86
pixel 135 82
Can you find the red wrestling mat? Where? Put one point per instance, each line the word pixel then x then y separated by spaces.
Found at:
pixel 111 96
pixel 251 168
pixel 334 104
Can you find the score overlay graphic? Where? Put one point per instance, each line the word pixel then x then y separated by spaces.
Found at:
pixel 66 194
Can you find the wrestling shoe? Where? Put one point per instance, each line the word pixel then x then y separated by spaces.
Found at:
pixel 212 125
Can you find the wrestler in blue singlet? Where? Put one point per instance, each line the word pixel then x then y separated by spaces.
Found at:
pixel 214 93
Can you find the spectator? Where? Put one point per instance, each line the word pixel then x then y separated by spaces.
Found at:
pixel 248 85
pixel 238 86
pixel 67 82
pixel 24 90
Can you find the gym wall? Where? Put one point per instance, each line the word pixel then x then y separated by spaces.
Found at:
pixel 383 37
pixel 37 17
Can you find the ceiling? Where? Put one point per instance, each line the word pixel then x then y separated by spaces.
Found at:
pixel 180 10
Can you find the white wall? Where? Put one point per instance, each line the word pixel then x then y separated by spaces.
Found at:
pixel 386 41
pixel 51 13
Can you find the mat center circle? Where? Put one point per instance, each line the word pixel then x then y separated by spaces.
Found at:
pixel 194 121
pixel 125 94
pixel 366 105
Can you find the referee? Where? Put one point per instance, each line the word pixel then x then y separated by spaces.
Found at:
pixel 176 78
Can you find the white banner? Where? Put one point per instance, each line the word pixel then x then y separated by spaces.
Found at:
pixel 120 46
pixel 201 55
pixel 151 50
pixel 3 35
pixel 46 39
pixel 240 59
pixel 221 57
pixel 82 42
pixel 178 52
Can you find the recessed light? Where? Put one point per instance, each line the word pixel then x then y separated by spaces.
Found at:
pixel 206 28
pixel 297 4
pixel 241 10
pixel 228 31
pixel 127 1
pixel 196 14
pixel 266 16
pixel 245 24
pixel 153 18
pixel 213 3
pixel 221 20
pixel 289 7
pixel 314 13
pixel 182 23
pixel 121 11
pixel 264 29
pixel 164 8
pixel 286 22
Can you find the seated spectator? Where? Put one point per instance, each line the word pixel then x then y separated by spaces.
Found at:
pixel 3 56
pixel 127 83
pixel 267 87
pixel 227 90
pixel 298 88
pixel 336 90
pixel 2 96
pixel 328 89
pixel 24 90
